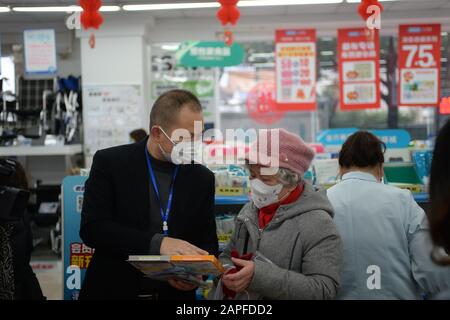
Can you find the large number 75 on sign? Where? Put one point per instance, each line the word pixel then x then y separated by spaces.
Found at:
pixel 419 56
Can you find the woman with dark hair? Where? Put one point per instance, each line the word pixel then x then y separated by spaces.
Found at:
pixel 385 233
pixel 17 279
pixel 439 216
pixel 138 135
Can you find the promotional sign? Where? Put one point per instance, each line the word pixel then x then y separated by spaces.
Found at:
pixel 295 56
pixel 444 106
pixel 40 52
pixel 110 113
pixel 393 138
pixel 209 54
pixel 76 255
pixel 359 77
pixel 419 62
pixel 203 88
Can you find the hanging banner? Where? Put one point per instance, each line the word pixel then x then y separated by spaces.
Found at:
pixel 359 75
pixel 392 138
pixel 209 54
pixel 419 62
pixel 40 52
pixel 295 56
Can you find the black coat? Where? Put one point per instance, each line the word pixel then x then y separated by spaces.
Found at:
pixel 115 220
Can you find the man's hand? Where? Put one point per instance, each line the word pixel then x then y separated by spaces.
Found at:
pixel 171 246
pixel 240 281
pixel 181 285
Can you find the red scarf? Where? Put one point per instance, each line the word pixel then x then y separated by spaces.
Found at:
pixel 266 214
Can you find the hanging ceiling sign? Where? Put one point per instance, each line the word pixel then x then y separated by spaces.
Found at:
pixel 209 54
pixel 359 69
pixel 419 62
pixel 295 52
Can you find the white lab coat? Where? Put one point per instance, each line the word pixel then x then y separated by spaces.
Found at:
pixel 386 241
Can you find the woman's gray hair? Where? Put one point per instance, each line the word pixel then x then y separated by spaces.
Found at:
pixel 288 177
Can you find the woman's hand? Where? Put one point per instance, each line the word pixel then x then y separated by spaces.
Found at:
pixel 240 281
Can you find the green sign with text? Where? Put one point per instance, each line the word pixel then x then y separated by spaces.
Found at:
pixel 209 54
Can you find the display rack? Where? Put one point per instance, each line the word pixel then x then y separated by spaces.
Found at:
pixel 27 151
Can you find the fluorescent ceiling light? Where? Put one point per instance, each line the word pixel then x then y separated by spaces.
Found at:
pixel 109 9
pixel 170 47
pixel 242 3
pixel 5 9
pixel 170 6
pixel 263 3
pixel 62 9
pixel 358 1
pixel 327 53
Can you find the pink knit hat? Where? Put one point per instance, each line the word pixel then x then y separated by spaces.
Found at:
pixel 279 148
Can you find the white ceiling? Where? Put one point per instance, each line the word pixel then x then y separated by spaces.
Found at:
pixel 323 17
pixel 342 8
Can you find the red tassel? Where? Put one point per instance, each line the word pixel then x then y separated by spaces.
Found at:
pixel 362 9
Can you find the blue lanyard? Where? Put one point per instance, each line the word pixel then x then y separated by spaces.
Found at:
pixel 164 215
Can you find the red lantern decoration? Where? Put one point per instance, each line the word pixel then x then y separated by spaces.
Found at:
pixel 228 14
pixel 90 17
pixel 365 4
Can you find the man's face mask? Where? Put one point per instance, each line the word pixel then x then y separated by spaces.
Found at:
pixel 183 152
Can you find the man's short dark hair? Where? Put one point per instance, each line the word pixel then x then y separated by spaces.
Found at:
pixel 167 107
pixel 362 150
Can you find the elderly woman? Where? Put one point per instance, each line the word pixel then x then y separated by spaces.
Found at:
pixel 285 244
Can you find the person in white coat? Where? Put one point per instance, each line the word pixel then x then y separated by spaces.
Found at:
pixel 385 233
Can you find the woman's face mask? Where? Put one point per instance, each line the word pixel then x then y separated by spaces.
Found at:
pixel 262 194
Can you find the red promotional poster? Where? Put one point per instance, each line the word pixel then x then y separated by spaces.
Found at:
pixel 359 75
pixel 295 55
pixel 419 62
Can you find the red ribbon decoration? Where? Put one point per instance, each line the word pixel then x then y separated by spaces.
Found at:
pixel 362 9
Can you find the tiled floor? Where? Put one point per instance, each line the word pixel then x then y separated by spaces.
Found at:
pixel 49 271
pixel 49 274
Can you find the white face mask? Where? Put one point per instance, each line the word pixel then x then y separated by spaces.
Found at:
pixel 183 152
pixel 186 152
pixel 262 194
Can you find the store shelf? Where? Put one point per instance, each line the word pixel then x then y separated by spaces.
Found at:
pixel 224 200
pixel 22 151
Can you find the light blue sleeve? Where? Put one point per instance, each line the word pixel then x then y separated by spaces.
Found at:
pixel 430 277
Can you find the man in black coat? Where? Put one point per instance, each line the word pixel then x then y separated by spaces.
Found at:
pixel 137 201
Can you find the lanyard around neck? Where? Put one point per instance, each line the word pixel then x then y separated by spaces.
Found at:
pixel 164 214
